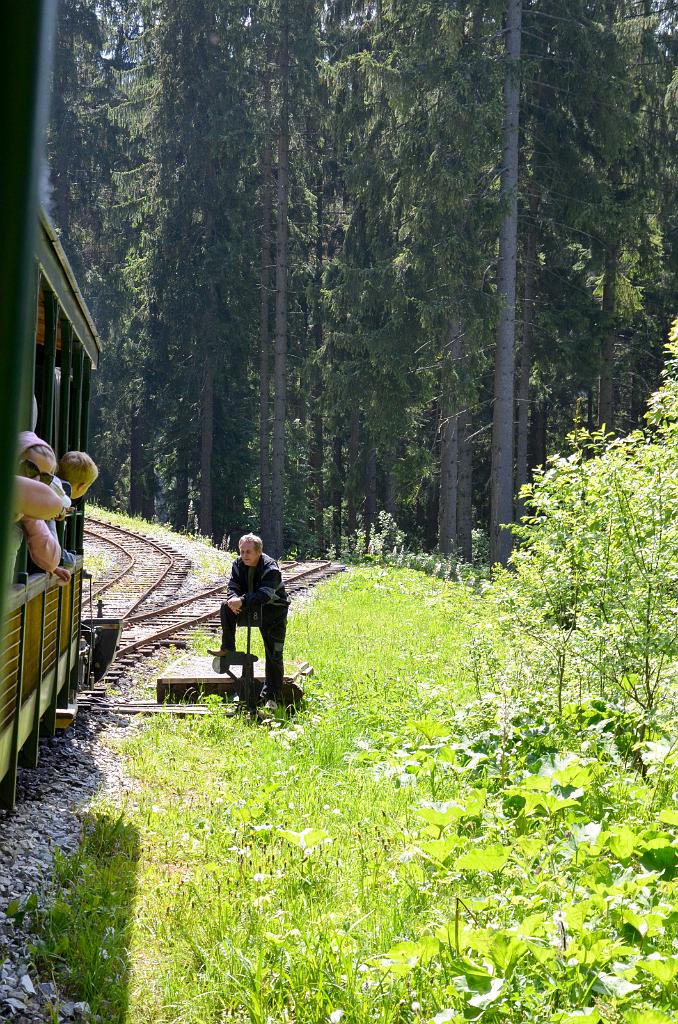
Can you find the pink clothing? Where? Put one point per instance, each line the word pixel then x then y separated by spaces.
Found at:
pixel 43 548
pixel 27 438
pixel 35 499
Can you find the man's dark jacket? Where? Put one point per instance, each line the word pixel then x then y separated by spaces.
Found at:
pixel 265 588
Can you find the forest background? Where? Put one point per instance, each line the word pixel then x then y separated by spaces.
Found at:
pixel 358 258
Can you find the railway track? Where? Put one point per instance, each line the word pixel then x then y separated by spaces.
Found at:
pixel 144 571
pixel 165 622
pixel 150 573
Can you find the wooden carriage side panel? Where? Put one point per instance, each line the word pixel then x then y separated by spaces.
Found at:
pixel 49 641
pixel 77 597
pixel 32 647
pixel 10 681
pixel 9 669
pixel 66 596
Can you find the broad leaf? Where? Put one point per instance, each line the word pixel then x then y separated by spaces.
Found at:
pixel 663 968
pixel 647 1016
pixel 491 858
pixel 613 985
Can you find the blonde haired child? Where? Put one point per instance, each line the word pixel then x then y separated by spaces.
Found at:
pixel 79 470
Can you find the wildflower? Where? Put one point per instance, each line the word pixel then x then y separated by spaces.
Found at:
pixel 336 1016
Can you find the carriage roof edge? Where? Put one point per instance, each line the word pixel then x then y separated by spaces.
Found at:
pixel 57 269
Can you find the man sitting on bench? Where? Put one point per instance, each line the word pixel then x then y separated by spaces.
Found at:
pixel 256 585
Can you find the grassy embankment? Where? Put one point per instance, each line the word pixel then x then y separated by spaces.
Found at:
pixel 398 853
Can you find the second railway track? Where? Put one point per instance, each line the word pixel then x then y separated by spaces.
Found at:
pixel 142 569
pixel 161 622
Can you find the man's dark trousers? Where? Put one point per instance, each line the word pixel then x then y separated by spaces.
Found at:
pixel 273 635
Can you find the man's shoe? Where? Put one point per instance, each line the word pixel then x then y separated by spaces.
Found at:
pixel 268 710
pixel 233 708
pixel 222 652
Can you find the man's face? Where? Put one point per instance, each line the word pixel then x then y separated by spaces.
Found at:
pixel 249 553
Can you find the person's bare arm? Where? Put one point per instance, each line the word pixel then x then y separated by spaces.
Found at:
pixel 35 499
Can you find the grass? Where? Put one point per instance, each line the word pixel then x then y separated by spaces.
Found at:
pixel 98 563
pixel 400 852
pixel 234 916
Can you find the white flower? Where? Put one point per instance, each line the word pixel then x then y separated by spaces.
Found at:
pixel 336 1016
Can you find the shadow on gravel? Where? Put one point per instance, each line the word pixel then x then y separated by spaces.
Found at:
pixel 84 936
pixel 67 882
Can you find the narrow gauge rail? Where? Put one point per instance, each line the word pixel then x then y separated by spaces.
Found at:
pixel 148 569
pixel 174 625
pixel 191 611
pixel 170 623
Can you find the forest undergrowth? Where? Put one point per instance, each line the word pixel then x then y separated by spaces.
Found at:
pixel 474 817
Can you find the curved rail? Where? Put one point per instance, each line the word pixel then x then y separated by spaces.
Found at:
pixel 163 609
pixel 103 587
pixel 177 618
pixel 139 540
pixel 292 582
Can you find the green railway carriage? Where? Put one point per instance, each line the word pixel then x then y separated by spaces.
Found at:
pixel 40 660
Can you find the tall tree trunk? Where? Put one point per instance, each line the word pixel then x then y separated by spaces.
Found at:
pixel 206 450
pixel 501 483
pixel 136 462
pixel 589 410
pixel 316 452
pixel 431 513
pixel 316 460
pixel 280 369
pixel 148 492
pixel 370 494
pixel 538 423
pixel 264 314
pixel 428 502
pixel 523 417
pixel 449 449
pixel 465 486
pixel 389 487
pixel 180 517
pixel 447 512
pixel 352 475
pixel 337 489
pixel 606 389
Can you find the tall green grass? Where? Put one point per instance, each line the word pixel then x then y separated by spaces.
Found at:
pixel 416 845
pixel 234 917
